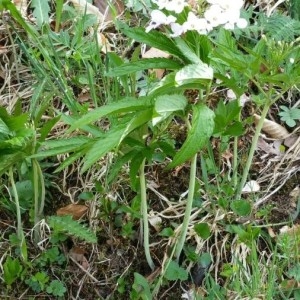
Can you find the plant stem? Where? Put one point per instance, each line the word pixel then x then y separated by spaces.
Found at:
pixel 39 196
pixel 145 215
pixel 235 161
pixel 252 149
pixel 188 208
pixel 16 198
pixel 20 233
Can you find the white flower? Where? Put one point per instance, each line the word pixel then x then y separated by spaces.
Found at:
pixel 161 3
pixel 159 18
pixel 292 60
pixel 195 23
pixel 177 29
pixel 231 15
pixel 241 23
pixel 171 5
pixel 215 16
pixel 226 13
pixel 229 4
pixel 176 5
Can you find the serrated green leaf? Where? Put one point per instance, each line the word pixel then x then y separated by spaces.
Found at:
pixel 193 72
pixel 241 207
pixel 41 11
pixel 4 130
pixel 153 38
pixel 167 104
pixel 141 285
pixel 116 167
pixel 168 232
pixel 125 105
pixel 186 50
pixel 164 86
pixel 198 136
pixel 102 146
pixel 138 120
pixel 46 128
pixel 175 272
pixel 203 230
pixel 9 160
pixel 144 64
pixel 12 270
pixel 69 226
pixel 170 103
pixel 55 147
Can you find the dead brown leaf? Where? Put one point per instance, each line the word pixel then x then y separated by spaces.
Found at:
pixel 273 129
pixel 77 254
pixel 77 211
pixel 105 9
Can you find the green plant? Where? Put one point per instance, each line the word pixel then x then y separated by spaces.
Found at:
pixel 140 288
pixel 50 256
pixel 133 119
pixel 56 288
pixel 175 272
pixel 38 281
pixel 289 115
pixel 66 225
pixel 12 270
pixel 138 135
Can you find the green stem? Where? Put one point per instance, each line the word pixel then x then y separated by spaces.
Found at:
pixel 145 215
pixel 39 196
pixel 20 233
pixel 235 161
pixel 188 209
pixel 235 153
pixel 16 198
pixel 252 149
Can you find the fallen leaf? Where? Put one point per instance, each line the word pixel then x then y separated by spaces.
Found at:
pixel 291 140
pixel 77 211
pixel 251 187
pixel 155 221
pixel 272 129
pixel 271 232
pixel 267 147
pixel 77 254
pixel 105 9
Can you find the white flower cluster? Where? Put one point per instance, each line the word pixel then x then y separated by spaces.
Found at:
pixel 224 13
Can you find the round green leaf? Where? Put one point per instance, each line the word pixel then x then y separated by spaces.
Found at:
pixel 203 230
pixel 241 207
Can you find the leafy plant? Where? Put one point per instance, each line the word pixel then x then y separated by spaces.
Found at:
pixel 66 225
pixel 41 11
pixel 38 281
pixel 141 288
pixel 51 256
pixel 289 115
pixel 56 288
pixel 12 270
pixel 175 272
